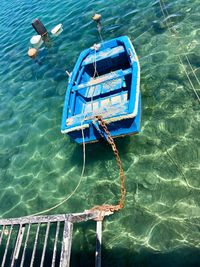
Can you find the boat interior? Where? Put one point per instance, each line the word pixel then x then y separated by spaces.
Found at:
pixel 103 81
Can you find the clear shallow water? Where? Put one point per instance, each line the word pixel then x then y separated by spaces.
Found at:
pixel 39 166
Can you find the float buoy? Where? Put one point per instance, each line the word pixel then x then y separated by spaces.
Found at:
pixel 32 52
pixel 56 29
pixel 36 39
pixel 39 27
pixel 97 17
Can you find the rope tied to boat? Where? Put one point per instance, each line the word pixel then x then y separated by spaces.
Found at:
pixel 102 209
pixel 112 208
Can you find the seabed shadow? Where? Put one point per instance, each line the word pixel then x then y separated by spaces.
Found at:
pixel 83 255
pixel 120 257
pixel 99 150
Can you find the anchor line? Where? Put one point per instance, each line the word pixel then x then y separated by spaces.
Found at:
pixel 106 207
pixel 75 189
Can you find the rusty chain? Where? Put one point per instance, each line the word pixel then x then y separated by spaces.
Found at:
pixel 120 205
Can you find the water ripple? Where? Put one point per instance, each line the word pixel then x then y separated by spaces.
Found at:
pixel 39 166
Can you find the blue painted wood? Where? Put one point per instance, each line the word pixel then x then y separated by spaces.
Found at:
pixel 105 81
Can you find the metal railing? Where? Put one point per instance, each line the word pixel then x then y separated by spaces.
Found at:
pixel 25 241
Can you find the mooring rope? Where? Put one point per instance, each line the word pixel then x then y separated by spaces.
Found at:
pixel 162 6
pixel 99 28
pixel 119 163
pixel 75 189
pixel 176 33
pixel 95 73
pixel 105 207
pixel 181 172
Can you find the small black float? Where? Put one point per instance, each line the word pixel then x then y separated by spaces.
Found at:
pixel 39 27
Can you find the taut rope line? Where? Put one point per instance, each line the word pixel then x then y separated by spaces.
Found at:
pixel 106 207
pixel 176 33
pixel 75 189
pixel 102 208
pixel 161 2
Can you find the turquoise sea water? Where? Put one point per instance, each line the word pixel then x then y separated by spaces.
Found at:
pixel 39 167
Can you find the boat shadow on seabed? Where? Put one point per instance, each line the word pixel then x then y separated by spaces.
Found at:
pixel 97 151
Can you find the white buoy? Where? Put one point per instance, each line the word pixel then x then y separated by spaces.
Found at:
pixel 57 29
pixel 36 39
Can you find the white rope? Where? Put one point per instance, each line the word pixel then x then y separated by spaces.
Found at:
pixel 181 172
pixel 180 43
pixel 185 55
pixel 95 73
pixel 99 31
pixel 75 189
pixel 95 63
pixel 195 91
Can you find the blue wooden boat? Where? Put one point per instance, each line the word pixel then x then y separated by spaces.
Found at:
pixel 105 82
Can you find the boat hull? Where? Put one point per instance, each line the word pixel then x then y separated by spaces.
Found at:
pixel 121 128
pixel 105 82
